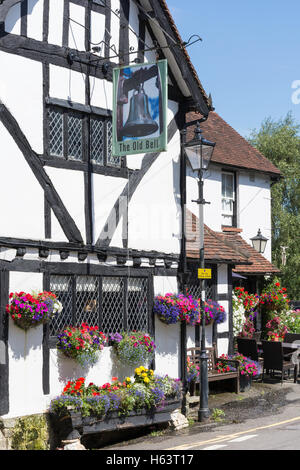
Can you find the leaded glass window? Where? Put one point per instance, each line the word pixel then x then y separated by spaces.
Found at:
pixel 97 148
pixel 112 303
pixel 74 125
pixel 56 133
pixel 81 137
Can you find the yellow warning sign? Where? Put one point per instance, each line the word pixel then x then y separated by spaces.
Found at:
pixel 204 273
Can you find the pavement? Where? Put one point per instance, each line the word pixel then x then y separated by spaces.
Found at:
pixel 264 399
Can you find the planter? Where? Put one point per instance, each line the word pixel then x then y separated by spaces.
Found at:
pixel 74 425
pixel 245 382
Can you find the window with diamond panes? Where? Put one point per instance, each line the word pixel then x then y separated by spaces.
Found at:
pixel 67 139
pixel 137 291
pixel 97 146
pixel 74 126
pixel 61 286
pixel 56 141
pixel 87 300
pixel 112 303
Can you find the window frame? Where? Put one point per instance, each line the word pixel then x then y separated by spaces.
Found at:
pixel 86 137
pixel 233 214
pixel 72 279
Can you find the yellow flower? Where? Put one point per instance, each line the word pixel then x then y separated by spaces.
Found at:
pixel 142 368
pixel 151 372
pixel 128 379
pixel 137 371
pixel 146 380
pixel 144 375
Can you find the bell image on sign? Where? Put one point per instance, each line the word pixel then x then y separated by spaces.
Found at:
pixel 140 99
pixel 204 273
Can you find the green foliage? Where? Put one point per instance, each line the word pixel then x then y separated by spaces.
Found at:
pixel 30 433
pixel 279 141
pixel 217 415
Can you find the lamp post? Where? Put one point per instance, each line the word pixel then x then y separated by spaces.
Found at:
pixel 259 242
pixel 199 152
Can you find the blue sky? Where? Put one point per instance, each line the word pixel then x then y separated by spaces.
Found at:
pixel 249 57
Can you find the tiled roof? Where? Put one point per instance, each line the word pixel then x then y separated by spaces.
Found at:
pixel 216 248
pixel 231 148
pixel 226 247
pixel 260 265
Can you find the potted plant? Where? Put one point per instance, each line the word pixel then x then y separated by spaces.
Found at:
pixel 82 343
pixel 30 310
pixel 247 367
pixel 135 347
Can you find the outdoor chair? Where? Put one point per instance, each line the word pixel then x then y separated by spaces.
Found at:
pixel 257 335
pixel 248 347
pixel 274 360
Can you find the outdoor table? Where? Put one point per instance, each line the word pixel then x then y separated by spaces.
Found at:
pixel 295 358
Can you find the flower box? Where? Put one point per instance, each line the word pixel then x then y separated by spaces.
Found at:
pixel 73 423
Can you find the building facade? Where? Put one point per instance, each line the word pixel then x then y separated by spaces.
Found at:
pixel 101 232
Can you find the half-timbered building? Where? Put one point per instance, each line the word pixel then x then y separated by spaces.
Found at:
pixel 102 232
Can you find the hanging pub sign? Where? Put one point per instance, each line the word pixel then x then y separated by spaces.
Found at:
pixel 140 99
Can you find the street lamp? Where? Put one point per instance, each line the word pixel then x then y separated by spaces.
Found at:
pixel 199 152
pixel 259 242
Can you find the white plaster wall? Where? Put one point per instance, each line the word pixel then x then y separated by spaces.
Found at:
pixel 167 337
pixel 56 14
pixel 222 288
pixel 35 19
pixel 21 90
pixel 66 84
pixel 164 284
pixel 97 30
pixel 255 208
pixel 63 369
pixel 212 194
pixel 101 93
pixel 106 190
pixel 167 355
pixel 222 279
pixel 154 221
pixel 70 186
pixel 76 27
pixel 150 56
pixel 21 196
pixel 114 28
pixel 134 25
pixel 253 202
pixel 25 355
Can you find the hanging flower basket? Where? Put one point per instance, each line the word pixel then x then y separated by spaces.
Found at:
pixel 133 348
pixel 82 344
pixel 30 310
pixel 173 308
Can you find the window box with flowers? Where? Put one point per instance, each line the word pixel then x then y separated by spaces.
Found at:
pixel 144 400
pixel 30 310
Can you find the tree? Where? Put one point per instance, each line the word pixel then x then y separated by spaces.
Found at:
pixel 279 141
